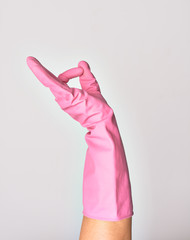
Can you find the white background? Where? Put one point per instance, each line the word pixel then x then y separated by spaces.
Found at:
pixel 139 52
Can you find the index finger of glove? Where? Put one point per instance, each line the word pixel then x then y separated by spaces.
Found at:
pixel 71 73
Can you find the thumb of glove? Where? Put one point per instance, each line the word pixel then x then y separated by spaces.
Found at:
pixel 87 80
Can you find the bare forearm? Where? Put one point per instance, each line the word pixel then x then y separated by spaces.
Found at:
pixel 93 229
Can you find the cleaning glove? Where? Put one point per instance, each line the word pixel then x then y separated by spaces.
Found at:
pixel 106 183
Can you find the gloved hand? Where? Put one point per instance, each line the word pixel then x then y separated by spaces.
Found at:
pixel 106 182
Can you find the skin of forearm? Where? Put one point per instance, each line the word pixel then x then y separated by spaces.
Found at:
pixel 93 229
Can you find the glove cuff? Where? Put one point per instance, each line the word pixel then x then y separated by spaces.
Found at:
pixel 106 183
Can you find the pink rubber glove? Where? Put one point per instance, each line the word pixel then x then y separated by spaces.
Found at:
pixel 106 183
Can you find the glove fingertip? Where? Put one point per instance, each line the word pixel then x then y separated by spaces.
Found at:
pixel 32 61
pixel 84 65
